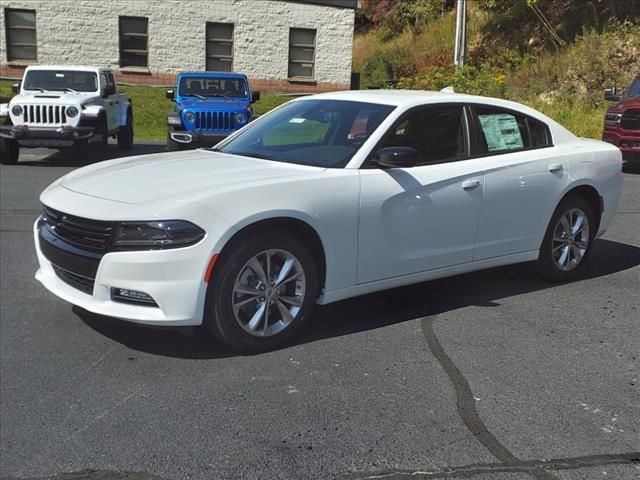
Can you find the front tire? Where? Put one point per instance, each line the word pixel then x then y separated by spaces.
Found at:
pixel 172 145
pixel 262 292
pixel 10 152
pixel 568 241
pixel 125 135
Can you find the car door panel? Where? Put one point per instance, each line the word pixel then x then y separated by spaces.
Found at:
pixel 417 219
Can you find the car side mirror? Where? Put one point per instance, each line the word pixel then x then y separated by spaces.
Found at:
pixel 397 157
pixel 612 94
pixel 255 96
pixel 171 94
pixel 15 88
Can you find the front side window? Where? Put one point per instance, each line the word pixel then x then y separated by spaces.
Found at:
pixel 309 132
pixel 213 87
pixel 134 42
pixel 60 80
pixel 438 133
pixel 302 52
pixel 219 49
pixel 21 34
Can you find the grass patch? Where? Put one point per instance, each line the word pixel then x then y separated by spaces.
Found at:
pixel 150 108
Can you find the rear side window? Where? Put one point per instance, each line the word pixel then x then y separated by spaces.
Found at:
pixel 502 131
pixel 539 133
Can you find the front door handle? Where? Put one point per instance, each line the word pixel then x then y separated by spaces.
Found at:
pixel 555 167
pixel 469 184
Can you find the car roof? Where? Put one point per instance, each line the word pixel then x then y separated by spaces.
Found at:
pixel 213 74
pixel 68 67
pixel 408 98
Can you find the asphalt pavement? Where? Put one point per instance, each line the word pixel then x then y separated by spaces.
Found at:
pixel 494 375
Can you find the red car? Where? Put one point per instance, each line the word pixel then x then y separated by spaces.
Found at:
pixel 622 120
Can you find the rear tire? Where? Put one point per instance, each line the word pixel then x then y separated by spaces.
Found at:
pixel 125 135
pixel 568 241
pixel 10 152
pixel 262 292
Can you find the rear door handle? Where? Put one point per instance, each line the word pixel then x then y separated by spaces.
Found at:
pixel 469 184
pixel 555 167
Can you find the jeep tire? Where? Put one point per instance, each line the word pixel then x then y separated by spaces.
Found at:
pixel 125 134
pixel 9 152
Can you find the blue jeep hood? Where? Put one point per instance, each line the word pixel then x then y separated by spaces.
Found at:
pixel 215 103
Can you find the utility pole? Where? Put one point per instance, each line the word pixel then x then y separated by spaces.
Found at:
pixel 460 49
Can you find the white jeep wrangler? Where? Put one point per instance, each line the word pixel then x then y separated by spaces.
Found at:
pixel 64 106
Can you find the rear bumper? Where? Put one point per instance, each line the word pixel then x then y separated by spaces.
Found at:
pixel 628 141
pixel 197 138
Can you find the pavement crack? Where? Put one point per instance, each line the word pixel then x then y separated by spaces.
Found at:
pixel 466 404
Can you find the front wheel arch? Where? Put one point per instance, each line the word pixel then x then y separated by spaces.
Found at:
pixel 298 228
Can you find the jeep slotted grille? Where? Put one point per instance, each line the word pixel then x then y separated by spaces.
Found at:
pixel 44 114
pixel 216 121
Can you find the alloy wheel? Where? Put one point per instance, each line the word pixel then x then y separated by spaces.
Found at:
pixel 268 292
pixel 570 239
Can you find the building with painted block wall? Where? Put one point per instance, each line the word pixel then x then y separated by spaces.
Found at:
pixel 281 45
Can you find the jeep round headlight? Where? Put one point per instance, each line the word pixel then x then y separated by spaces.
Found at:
pixel 240 117
pixel 72 112
pixel 16 110
pixel 189 116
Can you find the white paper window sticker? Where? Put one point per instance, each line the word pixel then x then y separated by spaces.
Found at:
pixel 501 132
pixel 59 75
pixel 297 120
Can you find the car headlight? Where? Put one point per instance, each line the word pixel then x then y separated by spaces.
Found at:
pixel 612 118
pixel 189 116
pixel 156 235
pixel 72 111
pixel 16 110
pixel 240 117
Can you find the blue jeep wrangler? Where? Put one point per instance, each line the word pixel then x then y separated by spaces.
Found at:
pixel 209 106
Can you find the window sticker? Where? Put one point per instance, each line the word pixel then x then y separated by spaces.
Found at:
pixel 501 132
pixel 297 120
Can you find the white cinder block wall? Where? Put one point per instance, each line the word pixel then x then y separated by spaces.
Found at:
pixel 86 32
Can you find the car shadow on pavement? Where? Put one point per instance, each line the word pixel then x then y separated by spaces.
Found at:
pixel 369 312
pixel 82 156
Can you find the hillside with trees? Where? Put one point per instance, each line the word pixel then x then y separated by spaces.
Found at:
pixel 555 55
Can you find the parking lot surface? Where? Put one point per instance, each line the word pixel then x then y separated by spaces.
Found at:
pixel 494 375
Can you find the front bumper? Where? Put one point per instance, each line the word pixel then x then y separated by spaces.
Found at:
pixel 627 141
pixel 173 278
pixel 199 138
pixel 45 136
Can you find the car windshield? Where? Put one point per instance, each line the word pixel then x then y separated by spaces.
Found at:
pixel 324 133
pixel 634 89
pixel 213 87
pixel 61 80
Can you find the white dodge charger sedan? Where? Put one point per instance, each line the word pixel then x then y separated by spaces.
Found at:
pixel 326 197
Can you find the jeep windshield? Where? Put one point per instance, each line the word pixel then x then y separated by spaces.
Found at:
pixel 210 87
pixel 321 133
pixel 61 80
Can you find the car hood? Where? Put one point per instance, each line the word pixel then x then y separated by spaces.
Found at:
pixel 176 176
pixel 213 104
pixel 625 103
pixel 53 98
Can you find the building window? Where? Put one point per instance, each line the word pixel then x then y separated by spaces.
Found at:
pixel 302 52
pixel 21 34
pixel 134 38
pixel 219 47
